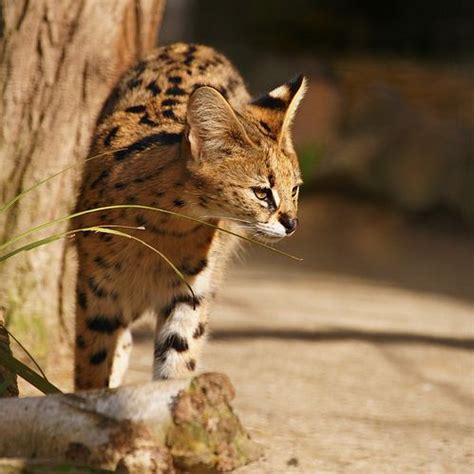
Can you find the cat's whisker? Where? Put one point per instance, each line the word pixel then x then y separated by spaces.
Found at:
pixel 228 219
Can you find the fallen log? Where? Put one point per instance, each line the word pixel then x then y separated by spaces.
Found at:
pixel 154 428
pixel 21 466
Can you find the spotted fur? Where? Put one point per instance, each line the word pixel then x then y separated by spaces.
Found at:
pixel 179 132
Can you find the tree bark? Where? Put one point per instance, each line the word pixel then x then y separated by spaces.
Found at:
pixel 58 63
pixel 148 428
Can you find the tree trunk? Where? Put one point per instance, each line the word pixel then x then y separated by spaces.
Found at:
pixel 58 63
pixel 147 428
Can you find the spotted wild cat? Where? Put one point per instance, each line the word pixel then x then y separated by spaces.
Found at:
pixel 187 138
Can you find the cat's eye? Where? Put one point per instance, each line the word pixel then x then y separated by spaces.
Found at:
pixel 294 191
pixel 261 193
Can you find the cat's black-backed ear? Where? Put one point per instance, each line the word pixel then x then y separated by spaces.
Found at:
pixel 276 110
pixel 212 123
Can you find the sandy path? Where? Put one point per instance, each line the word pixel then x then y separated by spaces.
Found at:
pixel 338 373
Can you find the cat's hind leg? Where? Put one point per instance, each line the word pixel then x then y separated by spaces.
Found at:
pixel 103 339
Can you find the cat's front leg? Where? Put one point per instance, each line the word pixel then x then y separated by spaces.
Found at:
pixel 180 336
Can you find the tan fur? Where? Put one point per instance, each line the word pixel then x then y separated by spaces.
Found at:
pixel 183 135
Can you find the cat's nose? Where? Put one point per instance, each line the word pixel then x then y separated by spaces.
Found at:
pixel 289 223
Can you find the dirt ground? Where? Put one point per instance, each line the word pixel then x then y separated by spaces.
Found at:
pixel 357 360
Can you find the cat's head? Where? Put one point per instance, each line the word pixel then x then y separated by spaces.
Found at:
pixel 243 160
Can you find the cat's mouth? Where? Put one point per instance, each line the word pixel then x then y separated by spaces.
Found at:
pixel 268 232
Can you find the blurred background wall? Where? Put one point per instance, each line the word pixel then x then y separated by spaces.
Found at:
pixel 390 109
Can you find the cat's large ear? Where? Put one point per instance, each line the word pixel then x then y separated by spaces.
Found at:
pixel 212 124
pixel 276 110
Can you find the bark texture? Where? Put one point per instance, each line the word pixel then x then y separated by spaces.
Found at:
pixel 58 63
pixel 151 428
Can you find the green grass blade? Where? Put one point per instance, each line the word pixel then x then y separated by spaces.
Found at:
pixel 25 350
pixel 31 246
pixel 138 206
pixel 15 366
pixel 10 203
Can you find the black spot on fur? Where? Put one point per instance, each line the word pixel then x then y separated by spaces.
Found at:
pixel 175 79
pixel 134 83
pixel 190 55
pixel 199 331
pixel 140 220
pixel 82 299
pixel 111 134
pixel 153 88
pixel 169 114
pixel 191 365
pixel 194 270
pixel 101 262
pixel 269 102
pixel 162 138
pixel 169 102
pixel 104 324
pixel 96 289
pixel 120 185
pixel 139 67
pixel 98 357
pixel 104 174
pixel 180 299
pixel 105 237
pixel 136 109
pixel 189 59
pixel 80 342
pixel 145 120
pixel 131 200
pixel 175 91
pixel 178 202
pixel 172 341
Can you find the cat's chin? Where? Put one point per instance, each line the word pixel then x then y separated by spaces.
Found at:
pixel 267 238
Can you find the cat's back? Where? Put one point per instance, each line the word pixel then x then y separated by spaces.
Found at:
pixel 152 96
